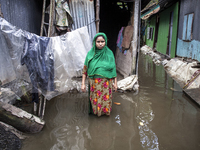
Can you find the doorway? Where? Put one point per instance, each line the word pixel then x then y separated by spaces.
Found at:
pixel 169 43
pixel 114 14
pixel 156 32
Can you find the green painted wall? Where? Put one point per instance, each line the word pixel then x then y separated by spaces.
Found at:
pixel 150 23
pixel 163 30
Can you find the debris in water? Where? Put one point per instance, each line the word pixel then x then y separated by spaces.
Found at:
pixel 141 123
pixel 174 90
pixel 117 103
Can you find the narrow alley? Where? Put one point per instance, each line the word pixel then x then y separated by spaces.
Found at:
pixel 159 116
pixel 48 49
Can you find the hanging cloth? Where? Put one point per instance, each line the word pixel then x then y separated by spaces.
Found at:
pixel 63 15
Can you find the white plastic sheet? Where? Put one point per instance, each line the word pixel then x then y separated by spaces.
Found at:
pixel 129 83
pixel 69 52
pixel 148 51
pixel 182 71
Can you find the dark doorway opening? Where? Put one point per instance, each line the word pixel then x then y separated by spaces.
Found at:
pixel 114 14
pixel 170 35
pixel 156 32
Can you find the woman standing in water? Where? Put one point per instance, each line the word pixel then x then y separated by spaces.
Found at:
pixel 100 67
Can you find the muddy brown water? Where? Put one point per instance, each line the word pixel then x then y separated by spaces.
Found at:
pixel 159 116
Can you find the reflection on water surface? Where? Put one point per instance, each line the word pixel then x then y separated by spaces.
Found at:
pixel 155 118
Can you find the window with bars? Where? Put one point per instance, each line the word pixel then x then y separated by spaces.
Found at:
pixel 150 33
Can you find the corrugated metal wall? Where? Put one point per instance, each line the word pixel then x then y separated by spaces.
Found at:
pixel 25 14
pixel 83 14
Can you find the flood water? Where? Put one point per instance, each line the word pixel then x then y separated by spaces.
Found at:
pixel 159 116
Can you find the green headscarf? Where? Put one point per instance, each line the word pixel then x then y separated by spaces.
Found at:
pixel 100 63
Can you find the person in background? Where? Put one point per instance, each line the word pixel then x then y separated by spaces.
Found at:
pixel 100 67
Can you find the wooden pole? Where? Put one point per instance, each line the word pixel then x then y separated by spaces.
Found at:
pixel 43 14
pixel 97 15
pixel 135 36
pixel 44 105
pixel 139 33
pixel 40 105
pixel 51 17
pixel 35 108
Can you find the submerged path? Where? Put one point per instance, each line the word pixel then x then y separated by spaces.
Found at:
pixel 159 116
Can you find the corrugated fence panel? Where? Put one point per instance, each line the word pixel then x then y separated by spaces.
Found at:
pixel 25 14
pixel 83 14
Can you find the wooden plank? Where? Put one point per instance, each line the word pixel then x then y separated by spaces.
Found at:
pixel 193 94
pixel 20 119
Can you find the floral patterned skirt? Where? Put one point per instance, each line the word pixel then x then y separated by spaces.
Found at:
pixel 100 96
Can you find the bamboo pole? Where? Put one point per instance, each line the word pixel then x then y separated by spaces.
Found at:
pixel 43 14
pixel 97 15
